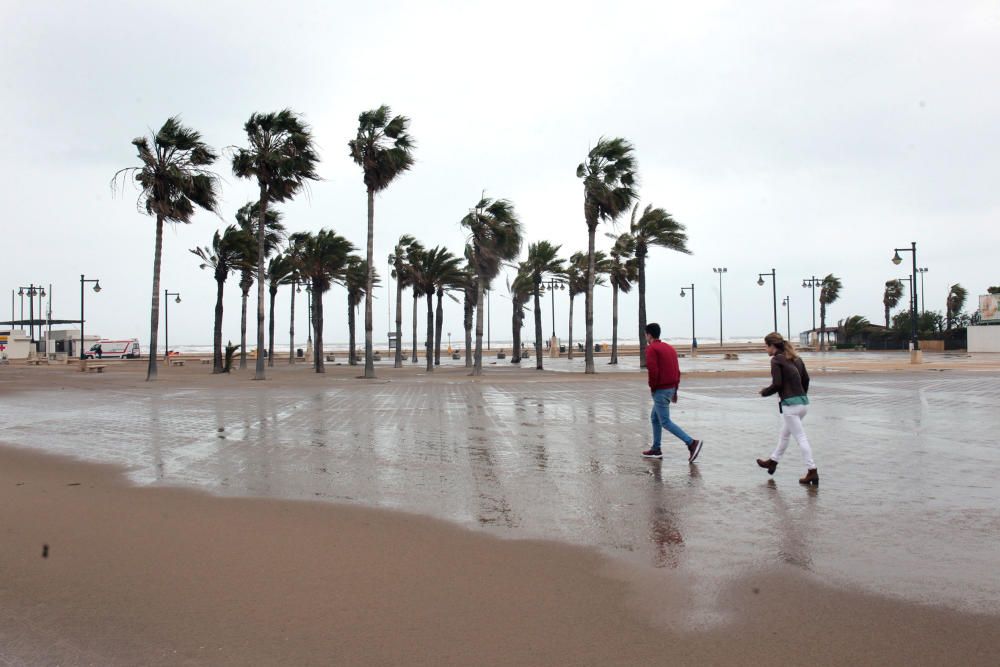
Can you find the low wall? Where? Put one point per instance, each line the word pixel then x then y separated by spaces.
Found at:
pixel 984 338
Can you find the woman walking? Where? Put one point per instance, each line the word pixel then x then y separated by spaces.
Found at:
pixel 790 380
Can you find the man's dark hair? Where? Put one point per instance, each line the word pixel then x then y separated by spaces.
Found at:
pixel 653 329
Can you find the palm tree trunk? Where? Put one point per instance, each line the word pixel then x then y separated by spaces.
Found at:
pixel 642 307
pixel 261 229
pixel 538 328
pixel 317 297
pixel 477 367
pixel 591 270
pixel 413 350
pixel 154 309
pixel 438 326
pixel 398 362
pixel 467 325
pixel 243 330
pixel 352 355
pixel 569 348
pixel 270 327
pixel 515 334
pixel 369 357
pixel 217 328
pixel 614 325
pixel 822 326
pixel 887 317
pixel 429 342
pixel 291 328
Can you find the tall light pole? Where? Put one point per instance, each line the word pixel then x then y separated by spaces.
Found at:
pixel 787 303
pixel 31 291
pixel 923 292
pixel 553 285
pixel 897 260
pixel 813 282
pixel 720 270
pixel 97 288
pixel 694 339
pixel 166 321
pixel 774 290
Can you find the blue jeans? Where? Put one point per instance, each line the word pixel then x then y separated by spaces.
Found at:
pixel 660 418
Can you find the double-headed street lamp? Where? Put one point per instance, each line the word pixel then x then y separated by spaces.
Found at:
pixel 553 285
pixel 923 292
pixel 694 339
pixel 166 321
pixel 774 290
pixel 787 303
pixel 813 282
pixel 31 291
pixel 720 270
pixel 897 260
pixel 97 288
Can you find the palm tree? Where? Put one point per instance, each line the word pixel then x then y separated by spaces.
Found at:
pixel 413 263
pixel 248 218
pixel 495 237
pixel 521 291
pixel 438 269
pixel 173 179
pixel 609 182
pixel 403 280
pixel 829 292
pixel 383 150
pixel 280 271
pixel 355 280
pixel 295 280
pixel 576 284
pixel 655 227
pixel 468 303
pixel 623 271
pixel 282 158
pixel 891 297
pixel 453 277
pixel 222 258
pixel 542 262
pixel 320 258
pixel 955 302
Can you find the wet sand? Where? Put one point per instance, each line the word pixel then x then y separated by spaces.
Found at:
pixel 699 565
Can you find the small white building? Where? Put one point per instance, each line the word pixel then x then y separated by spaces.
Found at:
pixel 983 338
pixel 65 343
pixel 14 344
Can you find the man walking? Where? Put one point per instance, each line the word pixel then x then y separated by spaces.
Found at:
pixel 664 379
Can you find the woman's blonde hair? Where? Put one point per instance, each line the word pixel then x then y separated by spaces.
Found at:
pixel 784 346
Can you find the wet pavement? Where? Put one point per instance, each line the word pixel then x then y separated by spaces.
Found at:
pixel 909 503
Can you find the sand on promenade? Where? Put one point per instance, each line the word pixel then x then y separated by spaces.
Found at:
pixel 165 576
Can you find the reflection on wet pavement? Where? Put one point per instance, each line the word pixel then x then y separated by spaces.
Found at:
pixel 908 505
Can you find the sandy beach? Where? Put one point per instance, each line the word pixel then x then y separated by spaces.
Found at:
pixel 216 520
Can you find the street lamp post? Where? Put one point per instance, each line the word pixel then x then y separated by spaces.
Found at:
pixel 97 288
pixel 923 292
pixel 309 330
pixel 813 282
pixel 774 290
pixel 787 303
pixel 720 270
pixel 166 321
pixel 915 356
pixel 694 339
pixel 31 291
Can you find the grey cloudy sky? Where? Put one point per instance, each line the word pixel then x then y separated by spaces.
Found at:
pixel 808 137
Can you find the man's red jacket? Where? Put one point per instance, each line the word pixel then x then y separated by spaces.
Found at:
pixel 661 363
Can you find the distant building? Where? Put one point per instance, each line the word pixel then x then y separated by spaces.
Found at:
pixel 811 337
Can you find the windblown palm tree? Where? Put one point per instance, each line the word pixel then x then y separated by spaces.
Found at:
pixel 248 217
pixel 576 284
pixel 495 237
pixel 280 271
pixel 173 179
pixel 222 257
pixel 320 258
pixel 891 297
pixel 414 256
pixel 439 269
pixel 543 262
pixel 383 150
pixel 655 227
pixel 956 302
pixel 520 290
pixel 403 280
pixel 468 303
pixel 623 270
pixel 609 182
pixel 281 157
pixel 356 281
pixel 829 292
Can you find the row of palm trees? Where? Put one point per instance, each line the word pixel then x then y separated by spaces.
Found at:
pixel 954 302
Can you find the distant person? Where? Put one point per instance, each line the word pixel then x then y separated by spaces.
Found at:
pixel 664 380
pixel 790 380
pixel 97 350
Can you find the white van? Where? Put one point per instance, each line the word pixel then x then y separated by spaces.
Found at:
pixel 114 349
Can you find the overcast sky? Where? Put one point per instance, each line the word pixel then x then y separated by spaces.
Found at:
pixel 808 137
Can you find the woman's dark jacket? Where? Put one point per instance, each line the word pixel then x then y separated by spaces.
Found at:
pixel 788 378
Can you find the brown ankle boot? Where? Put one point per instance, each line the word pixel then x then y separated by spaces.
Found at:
pixel 812 477
pixel 770 464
